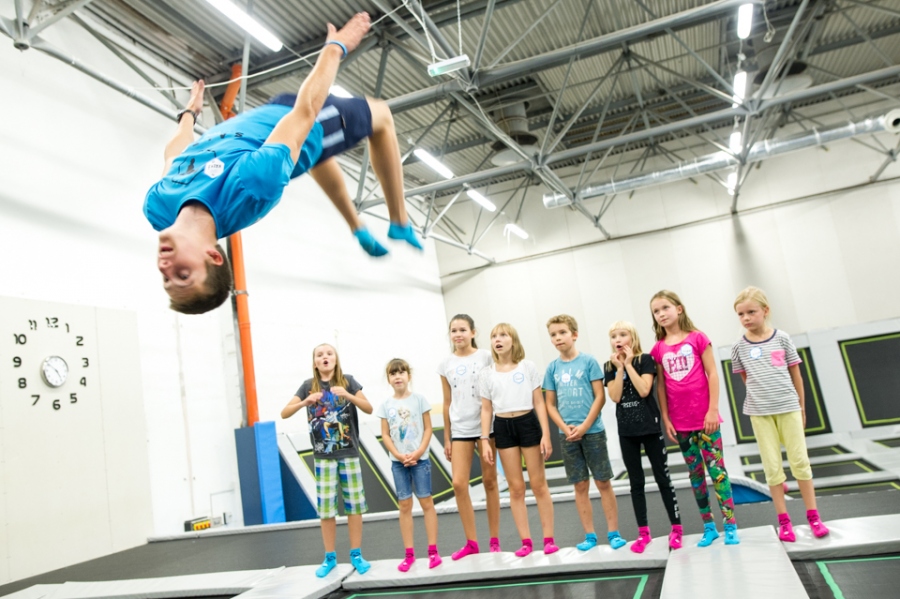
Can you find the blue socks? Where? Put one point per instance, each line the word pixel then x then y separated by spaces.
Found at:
pixel 590 541
pixel 710 534
pixel 328 565
pixel 356 558
pixel 404 233
pixel 731 535
pixel 615 539
pixel 369 243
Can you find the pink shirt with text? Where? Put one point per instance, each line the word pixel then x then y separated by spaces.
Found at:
pixel 687 388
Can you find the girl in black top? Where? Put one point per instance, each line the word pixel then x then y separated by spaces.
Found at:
pixel 628 377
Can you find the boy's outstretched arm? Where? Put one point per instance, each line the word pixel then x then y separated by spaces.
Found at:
pixel 293 128
pixel 184 134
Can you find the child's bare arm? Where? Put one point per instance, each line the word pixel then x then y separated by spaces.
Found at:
pixel 184 134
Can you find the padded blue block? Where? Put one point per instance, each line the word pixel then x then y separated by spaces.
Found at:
pixel 742 494
pixel 248 471
pixel 297 505
pixel 269 465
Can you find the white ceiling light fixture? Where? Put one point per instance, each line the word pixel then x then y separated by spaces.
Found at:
pixel 745 21
pixel 740 87
pixel 340 92
pixel 435 164
pixel 731 182
pixel 734 142
pixel 515 230
pixel 481 200
pixel 247 23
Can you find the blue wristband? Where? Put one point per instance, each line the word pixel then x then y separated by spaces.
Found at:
pixel 337 43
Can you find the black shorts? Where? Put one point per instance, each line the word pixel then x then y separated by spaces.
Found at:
pixel 521 431
pixel 345 122
pixel 474 439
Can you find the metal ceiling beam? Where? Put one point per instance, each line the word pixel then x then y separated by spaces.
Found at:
pixel 485 29
pixel 593 47
pixel 57 16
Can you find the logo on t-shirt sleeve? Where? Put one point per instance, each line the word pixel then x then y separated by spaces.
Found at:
pixel 214 168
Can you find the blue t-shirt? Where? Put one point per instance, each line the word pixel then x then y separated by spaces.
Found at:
pixel 230 172
pixel 404 417
pixel 574 393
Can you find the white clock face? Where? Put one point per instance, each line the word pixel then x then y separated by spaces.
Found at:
pixel 54 371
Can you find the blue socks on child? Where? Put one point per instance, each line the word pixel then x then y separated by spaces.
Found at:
pixel 615 539
pixel 356 558
pixel 710 534
pixel 369 243
pixel 731 535
pixel 328 565
pixel 404 233
pixel 590 541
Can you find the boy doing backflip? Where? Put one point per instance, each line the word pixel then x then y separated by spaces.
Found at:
pixel 573 388
pixel 236 172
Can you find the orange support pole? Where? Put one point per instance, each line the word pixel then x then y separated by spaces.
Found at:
pixel 231 92
pixel 241 301
pixel 242 307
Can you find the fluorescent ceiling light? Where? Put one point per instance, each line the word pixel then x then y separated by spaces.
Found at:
pixel 480 199
pixel 516 230
pixel 745 21
pixel 434 163
pixel 731 182
pixel 740 86
pixel 247 23
pixel 340 92
pixel 734 142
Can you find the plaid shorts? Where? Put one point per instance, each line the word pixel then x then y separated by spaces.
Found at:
pixel 349 473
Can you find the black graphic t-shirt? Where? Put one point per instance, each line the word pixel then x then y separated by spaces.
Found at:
pixel 333 421
pixel 635 415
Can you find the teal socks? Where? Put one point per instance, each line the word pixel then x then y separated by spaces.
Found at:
pixel 731 535
pixel 590 541
pixel 356 558
pixel 369 243
pixel 710 534
pixel 404 233
pixel 615 539
pixel 328 565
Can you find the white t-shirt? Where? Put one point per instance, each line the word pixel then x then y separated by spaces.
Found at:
pixel 511 391
pixel 405 422
pixel 465 399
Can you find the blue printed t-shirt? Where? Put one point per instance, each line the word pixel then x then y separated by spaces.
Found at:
pixel 333 421
pixel 404 417
pixel 574 393
pixel 232 173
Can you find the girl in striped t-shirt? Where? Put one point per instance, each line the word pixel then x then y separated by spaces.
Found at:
pixel 769 364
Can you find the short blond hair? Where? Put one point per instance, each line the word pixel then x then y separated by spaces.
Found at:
pixel 518 352
pixel 624 325
pixel 753 294
pixel 564 319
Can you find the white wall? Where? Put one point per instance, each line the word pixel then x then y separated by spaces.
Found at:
pixel 825 261
pixel 75 161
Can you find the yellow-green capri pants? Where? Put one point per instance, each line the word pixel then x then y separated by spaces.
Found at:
pixel 771 433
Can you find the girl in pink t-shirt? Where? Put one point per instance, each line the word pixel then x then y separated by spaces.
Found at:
pixel 688 392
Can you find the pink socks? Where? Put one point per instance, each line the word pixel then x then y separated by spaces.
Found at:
pixel 434 560
pixel 407 562
pixel 675 537
pixel 549 546
pixel 526 548
pixel 815 523
pixel 470 548
pixel 643 539
pixel 785 530
pixel 495 545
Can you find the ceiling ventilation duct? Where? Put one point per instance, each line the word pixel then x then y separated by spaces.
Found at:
pixel 795 80
pixel 514 122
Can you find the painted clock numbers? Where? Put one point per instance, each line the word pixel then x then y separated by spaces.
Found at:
pixel 44 377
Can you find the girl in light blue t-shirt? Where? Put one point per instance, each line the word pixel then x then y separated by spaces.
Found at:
pixel 406 433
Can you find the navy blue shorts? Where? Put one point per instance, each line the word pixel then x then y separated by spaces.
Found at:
pixel 345 122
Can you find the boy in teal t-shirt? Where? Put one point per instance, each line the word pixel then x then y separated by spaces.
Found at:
pixel 573 388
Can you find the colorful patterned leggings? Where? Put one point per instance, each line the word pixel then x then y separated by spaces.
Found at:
pixel 698 448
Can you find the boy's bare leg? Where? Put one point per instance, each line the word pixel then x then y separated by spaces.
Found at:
pixel 385 155
pixel 330 178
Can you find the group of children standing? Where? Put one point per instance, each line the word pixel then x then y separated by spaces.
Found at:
pixel 497 403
